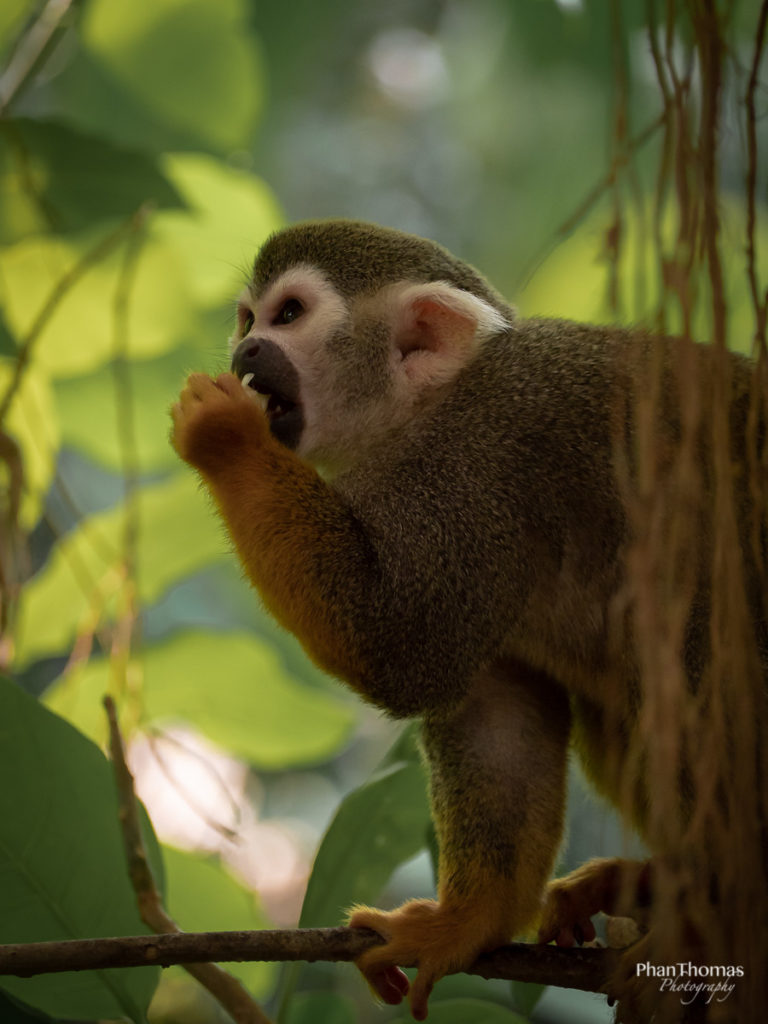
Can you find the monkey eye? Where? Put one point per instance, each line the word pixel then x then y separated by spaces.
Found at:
pixel 290 310
pixel 245 320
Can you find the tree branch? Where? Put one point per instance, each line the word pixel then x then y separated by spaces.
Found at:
pixel 585 969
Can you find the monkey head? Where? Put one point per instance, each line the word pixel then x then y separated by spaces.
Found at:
pixel 346 328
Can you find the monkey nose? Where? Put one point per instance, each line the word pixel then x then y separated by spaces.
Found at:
pixel 246 350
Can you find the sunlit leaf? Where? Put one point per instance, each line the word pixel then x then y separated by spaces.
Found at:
pixel 167 73
pixel 230 686
pixel 33 423
pixel 56 178
pixel 377 827
pixel 204 897
pixel 85 575
pixel 573 281
pixel 81 332
pixel 232 212
pixel 62 863
pixel 91 413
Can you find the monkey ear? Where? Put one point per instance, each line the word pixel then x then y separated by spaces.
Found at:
pixel 438 328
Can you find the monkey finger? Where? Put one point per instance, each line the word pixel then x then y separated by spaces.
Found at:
pixel 389 983
pixel 420 992
pixel 230 384
pixel 198 384
pixel 194 391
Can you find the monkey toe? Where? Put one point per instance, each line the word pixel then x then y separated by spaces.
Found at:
pixel 389 983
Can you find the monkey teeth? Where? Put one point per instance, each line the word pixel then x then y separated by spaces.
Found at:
pixel 260 399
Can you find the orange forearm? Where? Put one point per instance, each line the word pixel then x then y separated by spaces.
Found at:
pixel 297 544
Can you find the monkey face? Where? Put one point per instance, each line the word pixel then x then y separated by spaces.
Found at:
pixel 284 354
pixel 337 373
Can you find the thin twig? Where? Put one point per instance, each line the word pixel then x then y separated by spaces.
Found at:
pixel 30 50
pixel 12 542
pixel 593 196
pixel 223 986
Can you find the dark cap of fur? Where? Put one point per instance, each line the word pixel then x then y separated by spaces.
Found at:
pixel 359 257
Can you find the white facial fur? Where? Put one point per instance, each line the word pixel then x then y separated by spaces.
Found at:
pixel 364 366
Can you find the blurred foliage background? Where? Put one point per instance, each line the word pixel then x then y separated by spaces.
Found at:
pixel 146 150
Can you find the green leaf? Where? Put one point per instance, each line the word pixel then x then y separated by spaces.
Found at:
pixel 15 1012
pixel 328 1007
pixel 461 1011
pixel 62 865
pixel 526 994
pixel 573 280
pixel 232 212
pixel 89 410
pixel 166 74
pixel 204 897
pixel 56 178
pixel 377 827
pixel 85 574
pixel 80 334
pixel 230 686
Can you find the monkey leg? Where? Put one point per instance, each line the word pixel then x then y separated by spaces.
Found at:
pixel 609 884
pixel 498 767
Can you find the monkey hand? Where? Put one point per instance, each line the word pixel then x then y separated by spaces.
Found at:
pixel 440 940
pixel 214 421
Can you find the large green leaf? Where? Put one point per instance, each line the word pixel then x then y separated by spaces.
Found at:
pixel 204 897
pixel 376 828
pixel 230 686
pixel 62 865
pixel 56 178
pixel 13 1011
pixel 325 1007
pixel 90 412
pixel 166 73
pixel 81 333
pixel 85 575
pixel 232 212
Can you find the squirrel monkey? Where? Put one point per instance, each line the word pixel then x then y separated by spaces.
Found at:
pixel 422 488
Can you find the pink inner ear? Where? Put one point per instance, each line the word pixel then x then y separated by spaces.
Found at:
pixel 430 325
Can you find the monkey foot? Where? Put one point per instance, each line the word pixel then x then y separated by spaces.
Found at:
pixel 598 885
pixel 439 939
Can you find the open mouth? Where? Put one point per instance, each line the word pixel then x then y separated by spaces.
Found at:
pixel 274 404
